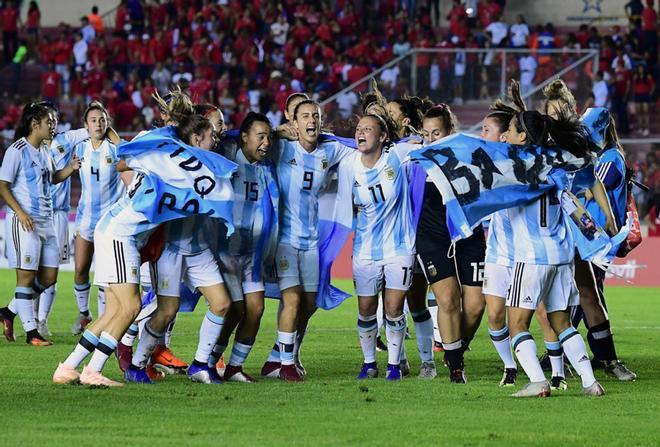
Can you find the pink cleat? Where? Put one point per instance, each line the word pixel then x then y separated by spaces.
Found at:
pixel 64 375
pixel 95 379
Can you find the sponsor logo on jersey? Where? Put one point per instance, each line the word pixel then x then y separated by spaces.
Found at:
pixel 356 184
pixel 284 264
pixel 527 299
pixel 293 162
pixel 584 358
pixel 389 172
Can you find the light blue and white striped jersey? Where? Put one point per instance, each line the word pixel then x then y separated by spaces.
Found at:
pixel 189 236
pixel 101 183
pixel 29 172
pixel 300 176
pixel 384 227
pixel 121 220
pixel 61 149
pixel 499 244
pixel 249 182
pixel 540 232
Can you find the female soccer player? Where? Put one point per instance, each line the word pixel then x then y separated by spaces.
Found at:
pixel 26 176
pixel 544 253
pixel 499 261
pixel 302 167
pixel 456 283
pixel 254 183
pixel 102 187
pixel 187 255
pixel 384 245
pixel 607 203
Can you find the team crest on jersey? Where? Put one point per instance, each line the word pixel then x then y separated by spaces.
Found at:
pixel 134 271
pixel 60 149
pixel 284 264
pixel 165 283
pixel 389 172
pixel 109 160
pixel 28 259
pixel 324 163
pixel 431 269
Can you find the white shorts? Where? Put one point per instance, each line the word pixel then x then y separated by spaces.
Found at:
pixel 297 268
pixel 117 260
pixel 85 232
pixel 552 284
pixel 145 275
pixel 497 280
pixel 237 272
pixel 29 250
pixel 61 224
pixel 198 270
pixel 371 276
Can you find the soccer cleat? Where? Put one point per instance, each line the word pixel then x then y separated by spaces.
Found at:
pixel 33 338
pixel 558 383
pixel 203 374
pixel 368 371
pixel 457 376
pixel 64 375
pixel 301 369
pixel 95 379
pixel 380 345
pixel 408 336
pixel 617 369
pixel 271 370
pixel 42 328
pixel 214 376
pixel 236 374
pixel 534 389
pixel 393 373
pixel 437 346
pixel 82 321
pixel 7 324
pixel 124 355
pixel 290 373
pixel 596 389
pixel 509 377
pixel 137 375
pixel 404 365
pixel 154 374
pixel 427 371
pixel 164 360
pixel 220 366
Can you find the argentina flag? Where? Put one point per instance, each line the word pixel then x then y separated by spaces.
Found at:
pixel 181 180
pixel 477 177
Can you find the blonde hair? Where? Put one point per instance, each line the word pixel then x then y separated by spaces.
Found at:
pixel 179 105
pixel 558 91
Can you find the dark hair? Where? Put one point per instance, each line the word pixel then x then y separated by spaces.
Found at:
pixel 502 118
pixel 31 112
pixel 612 137
pixel 302 103
pixel 95 105
pixel 443 112
pixel 251 118
pixel 413 108
pixel 293 96
pixel 49 105
pixel 205 109
pixel 565 132
pixel 558 91
pixel 375 98
pixel 192 124
pixel 381 122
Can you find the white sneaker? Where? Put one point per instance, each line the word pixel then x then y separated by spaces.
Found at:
pixel 617 369
pixel 594 390
pixel 534 389
pixel 82 321
pixel 427 371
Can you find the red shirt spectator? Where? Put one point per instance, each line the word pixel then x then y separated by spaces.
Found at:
pixel 10 17
pixel 649 18
pixel 94 80
pixel 160 47
pixel 487 11
pixel 357 72
pixel 63 50
pixel 118 47
pixel 46 51
pixel 121 17
pixel 33 19
pixel 125 113
pixel 50 84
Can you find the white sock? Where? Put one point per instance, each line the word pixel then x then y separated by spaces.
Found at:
pixel 274 355
pixel 433 310
pixel 104 349
pixel 100 301
pixel 239 353
pixel 424 334
pixel 556 355
pixel 24 307
pixel 81 291
pixel 368 331
pixel 525 349
pixel 209 332
pixel 502 342
pixel 46 300
pixel 12 306
pixel 286 341
pixel 395 329
pixel 576 351
pixel 129 337
pixel 167 338
pixel 85 346
pixel 146 345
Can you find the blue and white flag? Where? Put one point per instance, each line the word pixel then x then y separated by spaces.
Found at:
pixel 182 180
pixel 477 177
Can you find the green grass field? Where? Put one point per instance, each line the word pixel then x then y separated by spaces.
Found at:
pixel 330 407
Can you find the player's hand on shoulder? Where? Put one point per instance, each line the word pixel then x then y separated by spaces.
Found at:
pixel 287 131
